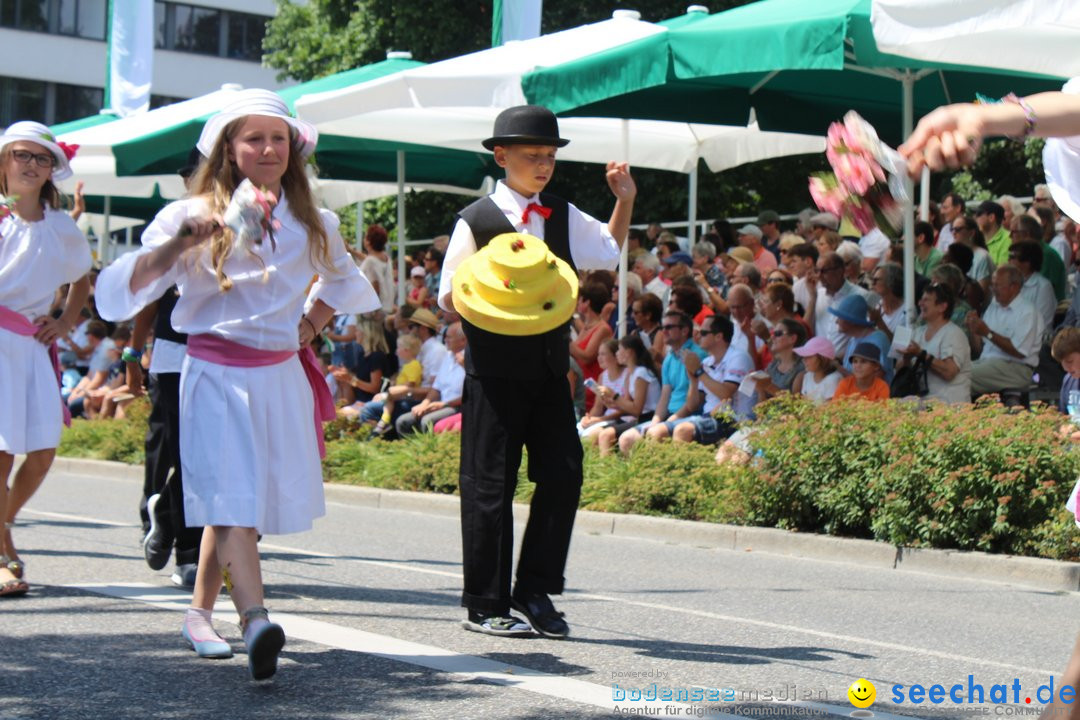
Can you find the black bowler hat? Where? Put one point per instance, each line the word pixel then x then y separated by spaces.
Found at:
pixel 525 125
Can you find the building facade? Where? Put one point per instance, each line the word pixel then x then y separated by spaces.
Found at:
pixel 53 54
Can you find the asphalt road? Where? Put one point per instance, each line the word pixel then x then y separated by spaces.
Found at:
pixel 369 601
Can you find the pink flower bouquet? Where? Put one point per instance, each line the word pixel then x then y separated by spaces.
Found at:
pixel 866 183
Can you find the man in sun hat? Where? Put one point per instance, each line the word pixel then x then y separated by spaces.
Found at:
pixel 515 391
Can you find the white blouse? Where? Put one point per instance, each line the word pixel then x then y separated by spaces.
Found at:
pixel 36 258
pixel 263 308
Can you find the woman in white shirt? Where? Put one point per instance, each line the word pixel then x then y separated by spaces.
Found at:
pixel 250 395
pixel 943 345
pixel 376 266
pixel 40 250
pixel 612 383
pixel 638 403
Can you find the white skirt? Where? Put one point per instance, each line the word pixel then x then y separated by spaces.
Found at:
pixel 30 417
pixel 248 448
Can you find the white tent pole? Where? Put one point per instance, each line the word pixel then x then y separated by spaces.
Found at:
pixel 908 85
pixel 103 251
pixel 624 256
pixel 924 195
pixel 402 280
pixel 127 239
pixel 691 210
pixel 360 224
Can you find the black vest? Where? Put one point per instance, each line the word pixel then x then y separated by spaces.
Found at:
pixel 511 356
pixel 163 320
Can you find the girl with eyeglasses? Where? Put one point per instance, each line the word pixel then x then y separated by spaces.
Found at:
pixel 41 249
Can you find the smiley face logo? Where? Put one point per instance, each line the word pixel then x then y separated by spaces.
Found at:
pixel 862 693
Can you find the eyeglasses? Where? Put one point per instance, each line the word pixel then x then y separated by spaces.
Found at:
pixel 780 333
pixel 43 160
pixel 959 228
pixel 671 327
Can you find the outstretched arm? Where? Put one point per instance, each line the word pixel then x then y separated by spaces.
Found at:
pixel 624 189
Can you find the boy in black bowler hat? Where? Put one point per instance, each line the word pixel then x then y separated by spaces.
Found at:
pixel 516 392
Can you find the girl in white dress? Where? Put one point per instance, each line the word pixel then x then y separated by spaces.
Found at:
pixel 40 250
pixel 249 432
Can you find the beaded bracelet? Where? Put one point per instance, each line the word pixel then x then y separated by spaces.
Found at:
pixel 130 355
pixel 1030 118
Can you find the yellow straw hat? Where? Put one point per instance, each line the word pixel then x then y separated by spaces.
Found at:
pixel 515 285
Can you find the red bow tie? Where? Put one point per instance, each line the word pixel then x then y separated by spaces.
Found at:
pixel 544 212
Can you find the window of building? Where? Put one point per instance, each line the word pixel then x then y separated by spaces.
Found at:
pixel 74 101
pixel 49 103
pixel 157 101
pixel 186 28
pixel 25 14
pixel 81 18
pixel 246 36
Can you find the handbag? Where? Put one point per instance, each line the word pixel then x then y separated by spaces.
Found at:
pixel 911 380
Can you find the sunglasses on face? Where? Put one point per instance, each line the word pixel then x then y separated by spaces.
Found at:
pixel 671 327
pixel 780 333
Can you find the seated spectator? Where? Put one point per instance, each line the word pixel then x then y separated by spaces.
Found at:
pixel 786 367
pixel 874 245
pixel 686 298
pixel 1066 350
pixel 950 275
pixel 828 286
pixel 592 333
pixel 400 397
pixel 342 332
pixel 1038 227
pixel 1037 290
pixel 433 261
pixel 776 303
pixel 642 391
pixel 927 257
pixel 827 241
pixel 853 262
pixel 418 294
pixel 443 399
pixel 854 323
pixel 750 237
pixel 943 346
pixel 425 326
pixel 704 257
pixel 679 392
pixel 748 274
pixel 98 370
pixel 743 315
pixel 610 384
pixel 801 260
pixel 789 240
pixel 969 292
pixel 648 315
pixel 887 280
pixel 666 246
pixel 719 375
pixel 821 378
pixel 1007 337
pixel 647 267
pixel 779 276
pixel 865 380
pixel 359 383
pixel 967 232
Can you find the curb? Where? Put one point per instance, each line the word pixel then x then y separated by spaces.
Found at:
pixel 1053 575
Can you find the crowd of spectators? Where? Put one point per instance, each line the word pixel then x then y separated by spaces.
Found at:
pixel 714 327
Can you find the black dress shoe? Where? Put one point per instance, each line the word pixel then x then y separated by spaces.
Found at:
pixel 157 546
pixel 541 613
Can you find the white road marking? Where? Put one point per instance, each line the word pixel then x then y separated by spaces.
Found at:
pixel 634 603
pixel 468 667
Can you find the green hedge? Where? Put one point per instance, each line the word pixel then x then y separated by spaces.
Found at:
pixel 974 478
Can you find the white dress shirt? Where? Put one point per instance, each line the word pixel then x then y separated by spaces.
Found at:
pixel 592 246
pixel 1018 321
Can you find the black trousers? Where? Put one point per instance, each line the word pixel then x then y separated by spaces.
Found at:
pixel 499 417
pixel 163 474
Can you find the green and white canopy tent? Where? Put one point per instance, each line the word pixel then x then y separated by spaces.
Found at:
pixel 453 104
pixel 798 65
pixel 138 156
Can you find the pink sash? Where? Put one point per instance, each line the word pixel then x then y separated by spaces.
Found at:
pixel 21 325
pixel 220 351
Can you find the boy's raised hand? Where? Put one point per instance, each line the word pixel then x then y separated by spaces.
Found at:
pixel 620 181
